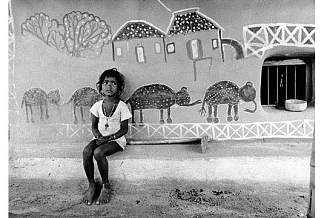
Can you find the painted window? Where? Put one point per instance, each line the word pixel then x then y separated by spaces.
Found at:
pixel 140 55
pixel 157 47
pixel 287 79
pixel 171 48
pixel 214 43
pixel 118 51
pixel 194 49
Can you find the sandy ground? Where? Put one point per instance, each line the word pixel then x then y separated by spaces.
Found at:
pixel 175 198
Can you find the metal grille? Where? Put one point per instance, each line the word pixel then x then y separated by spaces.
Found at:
pixel 281 82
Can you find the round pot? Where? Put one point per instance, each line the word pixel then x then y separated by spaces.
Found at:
pixel 295 105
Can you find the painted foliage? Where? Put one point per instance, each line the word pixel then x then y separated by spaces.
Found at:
pixel 80 35
pixel 83 97
pixel 158 96
pixel 227 92
pixel 38 97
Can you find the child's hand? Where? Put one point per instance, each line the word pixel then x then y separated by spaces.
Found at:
pixel 101 140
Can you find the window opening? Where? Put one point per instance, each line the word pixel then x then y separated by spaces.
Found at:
pixel 282 80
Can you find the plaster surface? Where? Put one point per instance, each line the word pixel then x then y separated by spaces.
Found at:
pixel 255 160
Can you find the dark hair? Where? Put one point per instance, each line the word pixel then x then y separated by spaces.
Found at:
pixel 115 74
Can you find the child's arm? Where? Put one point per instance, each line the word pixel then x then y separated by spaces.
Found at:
pixel 122 131
pixel 94 126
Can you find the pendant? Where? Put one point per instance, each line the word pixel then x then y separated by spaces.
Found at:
pixel 107 116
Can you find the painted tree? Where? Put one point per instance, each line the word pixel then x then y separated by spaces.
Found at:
pixel 38 25
pixel 80 35
pixel 85 33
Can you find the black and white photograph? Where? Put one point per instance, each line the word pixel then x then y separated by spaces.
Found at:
pixel 161 108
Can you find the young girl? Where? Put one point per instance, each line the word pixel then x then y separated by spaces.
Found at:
pixel 109 125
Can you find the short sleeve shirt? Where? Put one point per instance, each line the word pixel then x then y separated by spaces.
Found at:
pixel 120 114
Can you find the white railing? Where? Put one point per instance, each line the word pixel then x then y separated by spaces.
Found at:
pixel 239 131
pixel 260 37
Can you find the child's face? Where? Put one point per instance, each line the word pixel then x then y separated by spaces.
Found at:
pixel 109 86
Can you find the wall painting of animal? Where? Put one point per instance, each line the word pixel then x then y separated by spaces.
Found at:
pixel 227 92
pixel 158 96
pixel 38 97
pixel 83 97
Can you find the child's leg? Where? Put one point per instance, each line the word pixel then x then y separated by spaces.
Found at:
pixel 89 170
pixel 100 154
pixel 88 160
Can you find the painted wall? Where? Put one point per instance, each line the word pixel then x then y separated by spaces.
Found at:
pixel 51 64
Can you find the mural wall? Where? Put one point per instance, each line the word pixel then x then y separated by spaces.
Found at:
pixel 186 63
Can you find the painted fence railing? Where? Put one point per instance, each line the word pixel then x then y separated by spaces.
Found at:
pixel 260 37
pixel 239 131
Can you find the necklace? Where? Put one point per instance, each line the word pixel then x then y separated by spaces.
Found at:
pixel 110 114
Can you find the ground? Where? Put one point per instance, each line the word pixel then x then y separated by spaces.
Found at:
pixel 159 198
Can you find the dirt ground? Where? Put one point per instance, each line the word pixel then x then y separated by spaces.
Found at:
pixel 46 198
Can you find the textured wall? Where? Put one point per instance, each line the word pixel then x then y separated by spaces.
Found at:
pixel 50 58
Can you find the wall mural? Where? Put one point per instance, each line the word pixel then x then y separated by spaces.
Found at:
pixel 302 129
pixel 38 97
pixel 80 35
pixel 158 96
pixel 260 37
pixel 227 92
pixel 189 21
pixel 83 35
pixel 83 97
pixel 137 29
pixel 236 45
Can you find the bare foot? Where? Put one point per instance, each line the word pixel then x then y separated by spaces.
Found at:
pixel 104 196
pixel 88 195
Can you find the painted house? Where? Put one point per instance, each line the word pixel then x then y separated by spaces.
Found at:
pixel 242 80
pixel 138 41
pixel 193 36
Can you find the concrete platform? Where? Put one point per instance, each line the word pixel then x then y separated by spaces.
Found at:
pixel 282 160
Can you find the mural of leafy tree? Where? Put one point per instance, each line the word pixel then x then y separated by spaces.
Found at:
pixel 80 35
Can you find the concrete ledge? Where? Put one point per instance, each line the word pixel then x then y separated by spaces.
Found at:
pixel 287 162
pixel 281 169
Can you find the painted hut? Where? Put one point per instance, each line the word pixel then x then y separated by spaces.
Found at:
pixel 191 35
pixel 138 41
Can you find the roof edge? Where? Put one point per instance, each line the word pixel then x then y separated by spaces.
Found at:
pixel 134 21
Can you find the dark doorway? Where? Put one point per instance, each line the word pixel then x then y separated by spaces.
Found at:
pixel 286 79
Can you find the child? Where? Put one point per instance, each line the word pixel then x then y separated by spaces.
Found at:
pixel 109 125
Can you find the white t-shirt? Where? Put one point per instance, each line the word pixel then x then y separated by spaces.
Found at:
pixel 121 113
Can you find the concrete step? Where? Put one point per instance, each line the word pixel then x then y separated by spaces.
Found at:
pixel 287 162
